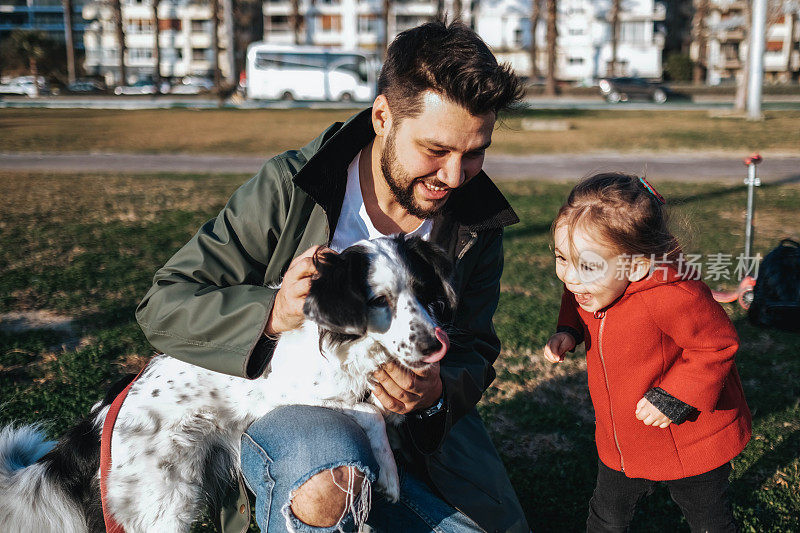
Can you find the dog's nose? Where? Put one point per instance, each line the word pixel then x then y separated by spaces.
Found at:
pixel 438 348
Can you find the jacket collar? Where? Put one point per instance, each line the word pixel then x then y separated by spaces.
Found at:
pixel 477 205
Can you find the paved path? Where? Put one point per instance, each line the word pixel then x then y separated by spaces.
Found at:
pixel 689 167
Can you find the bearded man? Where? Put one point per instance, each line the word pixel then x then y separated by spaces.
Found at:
pixel 411 163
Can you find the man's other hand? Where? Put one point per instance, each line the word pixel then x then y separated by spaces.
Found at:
pixel 287 311
pixel 401 390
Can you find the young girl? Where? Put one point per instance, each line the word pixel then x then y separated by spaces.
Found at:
pixel 667 397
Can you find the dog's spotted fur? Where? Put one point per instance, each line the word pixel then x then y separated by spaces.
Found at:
pixel 176 442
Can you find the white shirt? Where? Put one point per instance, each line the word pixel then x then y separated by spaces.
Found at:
pixel 354 223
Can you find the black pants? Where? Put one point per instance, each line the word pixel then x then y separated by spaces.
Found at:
pixel 704 500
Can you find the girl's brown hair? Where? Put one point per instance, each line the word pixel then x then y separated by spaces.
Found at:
pixel 628 215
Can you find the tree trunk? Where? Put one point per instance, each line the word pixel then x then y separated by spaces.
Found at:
pixel 156 46
pixel 384 42
pixel 699 37
pixel 792 24
pixel 614 15
pixel 215 49
pixel 740 100
pixel 457 8
pixel 69 40
pixel 120 41
pixel 34 66
pixel 294 18
pixel 552 35
pixel 536 9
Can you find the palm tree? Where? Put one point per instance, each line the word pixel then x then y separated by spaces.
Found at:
pixel 117 7
pixel 295 20
pixel 69 40
pixel 552 35
pixel 457 7
pixel 215 48
pixel 156 47
pixel 30 46
pixel 536 9
pixel 614 20
pixel 699 37
pixel 384 42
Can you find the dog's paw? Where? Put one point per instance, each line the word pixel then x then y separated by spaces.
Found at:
pixel 389 482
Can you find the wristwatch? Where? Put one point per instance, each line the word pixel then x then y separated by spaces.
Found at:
pixel 434 409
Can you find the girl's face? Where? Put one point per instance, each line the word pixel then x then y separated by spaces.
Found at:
pixel 592 271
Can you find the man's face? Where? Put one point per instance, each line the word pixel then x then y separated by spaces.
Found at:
pixel 424 158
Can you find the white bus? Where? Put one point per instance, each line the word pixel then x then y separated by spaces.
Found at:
pixel 289 72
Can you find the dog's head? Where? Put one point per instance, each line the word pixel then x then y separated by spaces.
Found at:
pixel 395 291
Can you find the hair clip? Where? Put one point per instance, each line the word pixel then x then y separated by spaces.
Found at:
pixel 652 190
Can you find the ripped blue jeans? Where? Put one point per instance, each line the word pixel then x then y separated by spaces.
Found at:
pixel 285 448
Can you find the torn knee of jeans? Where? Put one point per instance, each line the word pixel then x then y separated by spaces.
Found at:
pixel 358 499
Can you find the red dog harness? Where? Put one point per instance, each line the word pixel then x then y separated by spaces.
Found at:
pixel 105 456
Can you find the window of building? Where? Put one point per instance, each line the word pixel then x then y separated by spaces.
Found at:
pixel 169 24
pixel 200 26
pixel 199 54
pixel 774 46
pixel 367 24
pixel 136 26
pixel 331 22
pixel 140 53
pixel 279 23
pixel 633 32
pixel 575 31
pixel 575 60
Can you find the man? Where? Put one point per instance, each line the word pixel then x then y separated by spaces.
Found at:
pixel 412 163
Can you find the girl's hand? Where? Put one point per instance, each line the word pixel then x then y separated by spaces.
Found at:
pixel 557 346
pixel 647 413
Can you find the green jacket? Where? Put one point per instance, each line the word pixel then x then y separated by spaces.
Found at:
pixel 209 304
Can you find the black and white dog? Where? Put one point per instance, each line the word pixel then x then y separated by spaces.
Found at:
pixel 176 443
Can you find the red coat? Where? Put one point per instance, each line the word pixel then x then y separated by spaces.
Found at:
pixel 670 333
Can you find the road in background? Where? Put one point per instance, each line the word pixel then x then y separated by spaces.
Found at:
pixel 728 168
pixel 696 103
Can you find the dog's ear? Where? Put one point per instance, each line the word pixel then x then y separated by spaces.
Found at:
pixel 337 299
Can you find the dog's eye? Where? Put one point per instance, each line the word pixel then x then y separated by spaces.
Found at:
pixel 379 301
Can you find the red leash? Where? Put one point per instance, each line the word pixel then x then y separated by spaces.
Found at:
pixel 105 456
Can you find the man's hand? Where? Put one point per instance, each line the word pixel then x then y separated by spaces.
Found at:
pixel 650 415
pixel 401 391
pixel 287 311
pixel 557 346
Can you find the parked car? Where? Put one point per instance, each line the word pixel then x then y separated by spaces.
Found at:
pixel 143 86
pixel 24 86
pixel 623 89
pixel 83 86
pixel 192 85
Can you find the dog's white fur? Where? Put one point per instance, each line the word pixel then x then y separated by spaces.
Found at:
pixel 182 424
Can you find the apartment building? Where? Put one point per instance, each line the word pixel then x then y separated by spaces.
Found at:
pixel 726 42
pixel 349 23
pixel 584 37
pixel 185 39
pixel 44 15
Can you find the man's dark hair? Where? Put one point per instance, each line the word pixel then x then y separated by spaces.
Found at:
pixel 449 59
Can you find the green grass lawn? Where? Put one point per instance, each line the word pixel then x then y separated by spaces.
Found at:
pixel 266 132
pixel 86 248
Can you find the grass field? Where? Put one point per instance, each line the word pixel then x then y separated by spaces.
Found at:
pixel 266 132
pixel 85 248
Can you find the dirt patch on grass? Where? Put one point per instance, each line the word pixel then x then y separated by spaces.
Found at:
pixel 18 322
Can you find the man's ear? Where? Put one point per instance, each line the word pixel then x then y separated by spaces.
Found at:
pixel 640 268
pixel 337 299
pixel 381 116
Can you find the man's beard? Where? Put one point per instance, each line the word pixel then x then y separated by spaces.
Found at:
pixel 400 183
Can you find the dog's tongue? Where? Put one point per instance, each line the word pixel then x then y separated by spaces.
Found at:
pixel 445 340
